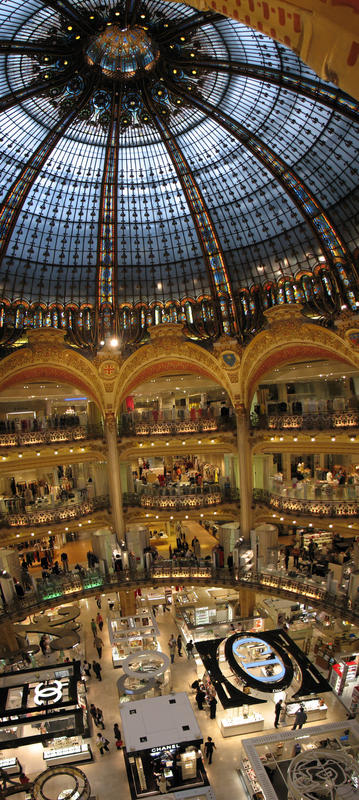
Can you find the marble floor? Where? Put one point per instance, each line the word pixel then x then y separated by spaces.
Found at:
pixel 107 775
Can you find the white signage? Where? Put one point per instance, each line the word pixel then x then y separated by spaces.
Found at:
pixel 51 693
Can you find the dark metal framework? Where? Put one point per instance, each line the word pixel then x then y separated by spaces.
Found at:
pixel 204 188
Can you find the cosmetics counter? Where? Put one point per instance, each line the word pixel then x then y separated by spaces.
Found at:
pixel 239 721
pixel 11 765
pixel 268 761
pixel 67 750
pixel 315 709
pixel 162 746
pixel 132 634
pixel 47 705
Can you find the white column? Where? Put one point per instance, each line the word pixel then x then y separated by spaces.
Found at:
pixel 245 470
pixel 114 480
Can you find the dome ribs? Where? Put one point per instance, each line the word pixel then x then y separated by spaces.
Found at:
pixel 330 242
pixel 107 242
pixel 318 91
pixel 19 95
pixel 65 9
pixel 14 200
pixel 207 236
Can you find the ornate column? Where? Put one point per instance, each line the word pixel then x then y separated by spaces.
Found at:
pixel 114 479
pixel 245 469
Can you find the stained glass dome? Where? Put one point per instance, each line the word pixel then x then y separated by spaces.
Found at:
pixel 215 176
pixel 122 54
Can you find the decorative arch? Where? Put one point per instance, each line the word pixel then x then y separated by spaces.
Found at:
pixel 47 358
pixel 166 353
pixel 290 337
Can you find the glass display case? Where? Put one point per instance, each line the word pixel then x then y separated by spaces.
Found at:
pixel 67 750
pixel 250 780
pixel 315 708
pixel 132 634
pixel 239 721
pixel 10 765
pixel 133 643
pixel 189 764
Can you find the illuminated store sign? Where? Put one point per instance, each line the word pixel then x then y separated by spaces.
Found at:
pixel 268 662
pixel 48 693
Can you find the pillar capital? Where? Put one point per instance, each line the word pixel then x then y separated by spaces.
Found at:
pixel 110 422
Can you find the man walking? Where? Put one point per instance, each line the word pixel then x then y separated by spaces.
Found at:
pixel 179 645
pixel 93 627
pixel 97 669
pixel 98 644
pixel 189 649
pixel 172 647
pixel 300 718
pixel 278 708
pixel 209 746
pixel 212 707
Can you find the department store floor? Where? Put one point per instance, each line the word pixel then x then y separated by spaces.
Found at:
pixel 107 774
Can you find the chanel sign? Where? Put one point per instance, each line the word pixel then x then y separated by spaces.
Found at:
pixel 48 693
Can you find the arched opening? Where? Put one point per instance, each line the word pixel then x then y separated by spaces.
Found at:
pixel 178 449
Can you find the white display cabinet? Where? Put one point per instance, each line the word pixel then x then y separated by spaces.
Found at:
pixel 315 709
pixel 10 765
pixel 63 750
pixel 237 722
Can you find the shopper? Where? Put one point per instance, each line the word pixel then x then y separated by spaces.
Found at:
pixel 212 707
pixel 93 712
pixel 97 669
pixel 200 696
pixel 117 732
pixel 100 719
pixel 300 718
pixel 278 708
pixel 102 743
pixel 99 620
pixel 179 645
pixel 87 668
pixel 172 647
pixel 209 746
pixel 93 626
pixel 99 645
pixel 189 649
pixel 23 778
pixel 65 562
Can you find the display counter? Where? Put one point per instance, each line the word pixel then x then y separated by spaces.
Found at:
pixel 65 750
pixel 235 724
pixel 10 765
pixel 250 780
pixel 130 635
pixel 315 709
pixel 266 765
pixel 131 645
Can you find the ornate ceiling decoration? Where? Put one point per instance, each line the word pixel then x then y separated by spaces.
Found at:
pixel 161 164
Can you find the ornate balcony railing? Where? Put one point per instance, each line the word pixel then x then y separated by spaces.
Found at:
pixel 313 507
pixel 145 425
pixel 171 500
pixel 52 514
pixel 324 420
pixel 74 584
pixel 50 436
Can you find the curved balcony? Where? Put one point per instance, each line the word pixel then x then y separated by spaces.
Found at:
pixel 52 514
pixel 322 421
pixel 150 424
pixel 181 497
pixel 314 500
pixel 76 584
pixel 50 436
